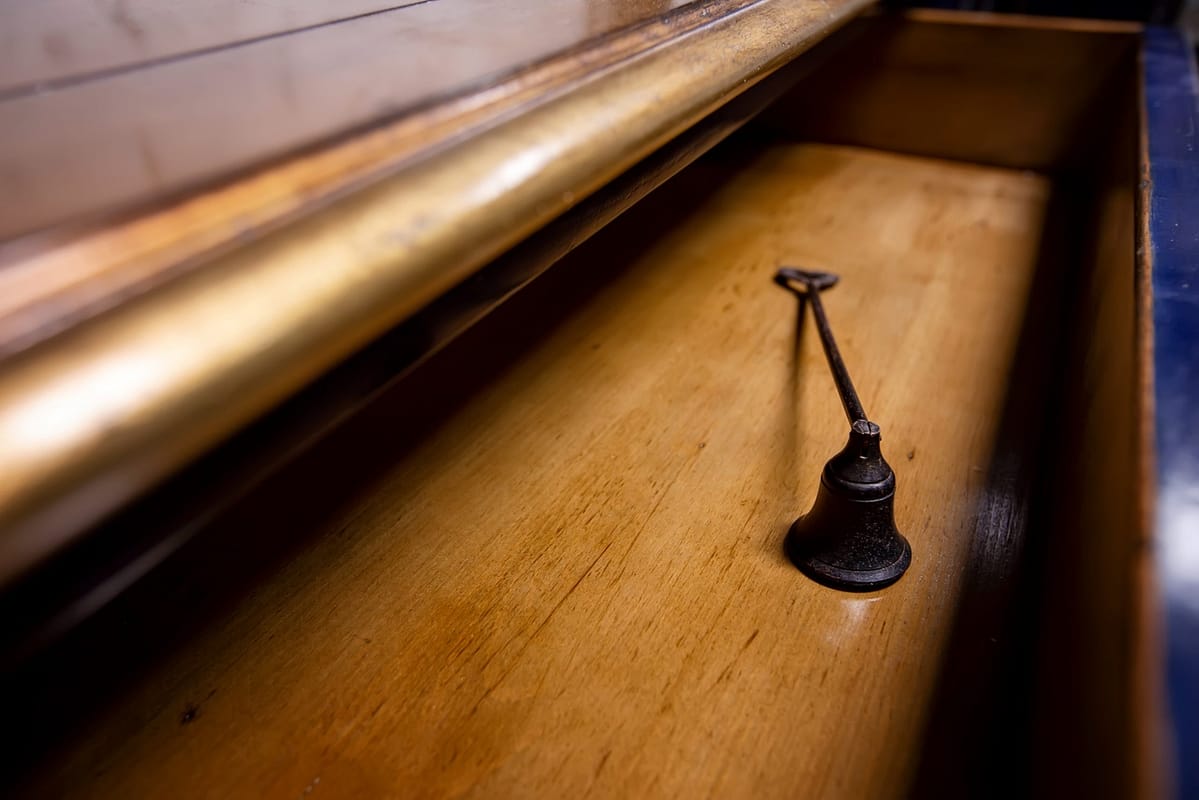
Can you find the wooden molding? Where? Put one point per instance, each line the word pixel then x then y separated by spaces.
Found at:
pixel 100 412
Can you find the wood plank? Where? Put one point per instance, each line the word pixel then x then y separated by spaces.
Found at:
pixel 56 41
pixel 146 134
pixel 574 582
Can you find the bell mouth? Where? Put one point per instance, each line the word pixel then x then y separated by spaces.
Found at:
pixel 849 540
pixel 832 568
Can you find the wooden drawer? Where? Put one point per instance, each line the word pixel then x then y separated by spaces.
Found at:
pixel 547 558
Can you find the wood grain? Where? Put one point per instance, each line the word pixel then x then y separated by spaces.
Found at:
pixel 574 583
pixel 146 134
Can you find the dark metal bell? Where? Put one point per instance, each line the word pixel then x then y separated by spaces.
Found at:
pixel 849 540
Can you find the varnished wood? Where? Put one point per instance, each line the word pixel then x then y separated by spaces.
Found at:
pixel 170 517
pixel 985 19
pixel 981 88
pixel 52 42
pixel 1092 609
pixel 149 133
pixel 54 279
pixel 489 731
pixel 97 414
pixel 575 581
pixel 1096 697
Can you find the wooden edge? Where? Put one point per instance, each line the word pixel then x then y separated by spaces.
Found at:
pixel 96 415
pixel 976 18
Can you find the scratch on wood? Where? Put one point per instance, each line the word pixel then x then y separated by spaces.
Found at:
pixel 540 627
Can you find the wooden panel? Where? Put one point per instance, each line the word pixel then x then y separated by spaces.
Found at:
pixel 1010 93
pixel 147 133
pixel 574 581
pixel 1098 715
pixel 53 41
pixel 1091 713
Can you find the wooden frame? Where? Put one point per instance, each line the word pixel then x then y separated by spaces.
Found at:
pixel 1062 563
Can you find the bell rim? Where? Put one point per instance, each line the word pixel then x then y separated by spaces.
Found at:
pixel 846 579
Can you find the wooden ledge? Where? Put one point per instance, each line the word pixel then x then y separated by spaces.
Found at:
pixel 100 412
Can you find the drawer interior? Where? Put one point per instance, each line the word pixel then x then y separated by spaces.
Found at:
pixel 551 556
pixel 1057 571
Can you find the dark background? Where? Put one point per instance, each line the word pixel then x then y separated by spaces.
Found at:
pixel 1161 12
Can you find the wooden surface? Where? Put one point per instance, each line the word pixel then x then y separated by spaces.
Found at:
pixel 130 136
pixel 168 517
pixel 99 412
pixel 53 42
pixel 571 579
pixel 52 279
pixel 984 88
pixel 1095 708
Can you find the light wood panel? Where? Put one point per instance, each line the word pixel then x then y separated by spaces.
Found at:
pixel 574 582
pixel 52 41
pixel 144 134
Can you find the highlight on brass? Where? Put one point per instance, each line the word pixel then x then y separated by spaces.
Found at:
pixel 396 402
